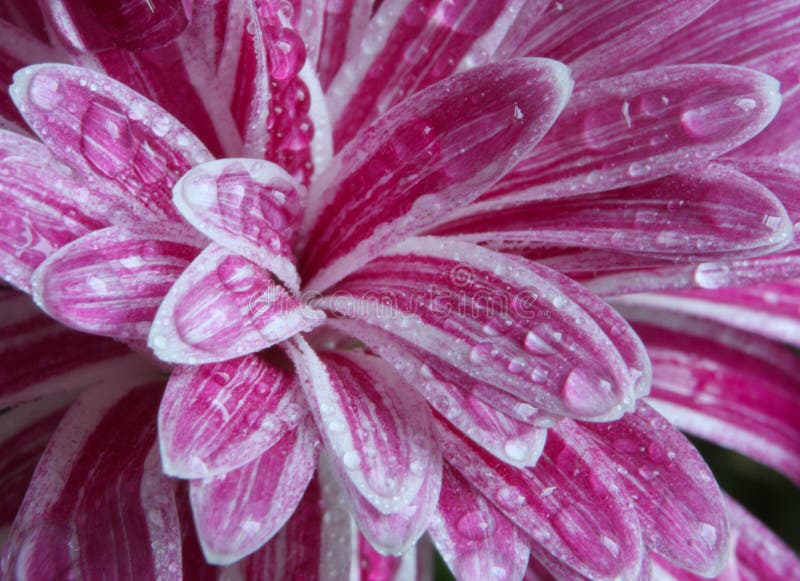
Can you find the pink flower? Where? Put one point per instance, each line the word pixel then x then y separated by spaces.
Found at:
pixel 378 243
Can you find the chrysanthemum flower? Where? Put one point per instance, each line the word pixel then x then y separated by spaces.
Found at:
pixel 376 247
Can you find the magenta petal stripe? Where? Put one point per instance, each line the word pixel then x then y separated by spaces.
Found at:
pixel 687 216
pixel 316 542
pixel 504 321
pixel 237 512
pixel 376 427
pixel 342 28
pixel 39 357
pixel 641 126
pixel 433 153
pixel 731 387
pixel 408 46
pixel 111 282
pixel 217 417
pixel 571 507
pixel 677 499
pixel 42 207
pixel 123 145
pixel 224 306
pixel 24 434
pixel 474 538
pixel 99 474
pixel 251 207
pixel 599 39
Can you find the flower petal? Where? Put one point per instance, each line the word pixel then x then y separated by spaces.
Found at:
pixel 315 543
pixel 474 538
pixel 123 145
pixel 40 357
pixel 503 321
pixel 111 282
pixel 769 310
pixel 706 213
pixel 731 387
pixel 394 60
pixel 217 417
pixel 24 434
pixel 572 507
pixel 376 428
pixel 598 40
pixel 237 512
pixel 641 126
pixel 411 166
pixel 250 207
pixel 42 208
pixel 224 306
pixel 341 31
pixel 677 499
pixel 99 474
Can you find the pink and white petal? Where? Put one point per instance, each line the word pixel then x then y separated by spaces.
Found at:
pixel 731 387
pixel 599 40
pixel 503 321
pixel 42 208
pixel 574 509
pixel 377 428
pixel 18 48
pixel 315 543
pixel 340 33
pixel 237 512
pixel 111 282
pixel 638 127
pixel 39 357
pixel 770 309
pixel 122 144
pixel 474 538
pixel 224 306
pixel 100 473
pixel 396 533
pixel 250 207
pixel 24 434
pixel 411 167
pixel 395 57
pixel 687 216
pixel 679 503
pixel 217 417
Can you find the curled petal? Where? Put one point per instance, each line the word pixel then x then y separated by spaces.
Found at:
pixel 224 306
pixel 217 417
pixel 237 512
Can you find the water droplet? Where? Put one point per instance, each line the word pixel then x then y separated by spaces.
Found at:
pixel 539 374
pixel 712 275
pixel 106 139
pixel 525 410
pixel 43 91
pixel 707 534
pixel 648 472
pixel 236 274
pixel 610 544
pixel 583 394
pixel 536 345
pixel 637 170
pixel 772 222
pixel 746 104
pixel 200 193
pixel 351 460
pixel 510 497
pixel 516 365
pixel 517 450
pixel 481 353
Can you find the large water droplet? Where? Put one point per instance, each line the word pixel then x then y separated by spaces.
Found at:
pixel 517 450
pixel 44 91
pixel 583 393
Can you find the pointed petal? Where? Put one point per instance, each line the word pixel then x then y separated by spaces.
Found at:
pixel 250 207
pixel 706 213
pixel 572 508
pixel 731 387
pixel 42 208
pixel 224 306
pixel 217 417
pixel 122 144
pixel 769 310
pixel 641 126
pixel 394 60
pixel 111 282
pixel 411 167
pixel 677 499
pixel 474 538
pixel 24 434
pixel 503 321
pixel 376 427
pixel 315 543
pixel 39 357
pixel 236 513
pixel 599 40
pixel 98 505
